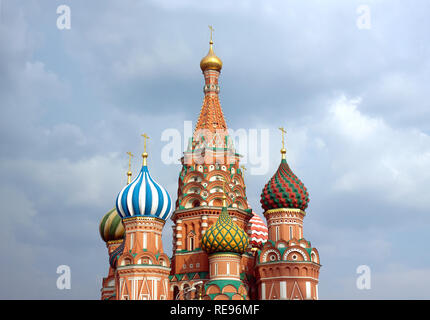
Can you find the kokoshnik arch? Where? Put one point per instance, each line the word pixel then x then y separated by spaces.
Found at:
pixel 222 250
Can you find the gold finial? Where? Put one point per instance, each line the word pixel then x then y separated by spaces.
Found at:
pixel 283 150
pixel 129 167
pixel 212 30
pixel 144 154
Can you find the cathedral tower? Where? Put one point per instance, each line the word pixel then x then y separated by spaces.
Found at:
pixel 142 266
pixel 209 160
pixel 287 265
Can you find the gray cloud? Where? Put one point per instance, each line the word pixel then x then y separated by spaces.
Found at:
pixel 353 102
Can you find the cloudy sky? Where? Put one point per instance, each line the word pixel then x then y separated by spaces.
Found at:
pixel 352 94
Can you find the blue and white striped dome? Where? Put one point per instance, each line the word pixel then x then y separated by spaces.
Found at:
pixel 144 197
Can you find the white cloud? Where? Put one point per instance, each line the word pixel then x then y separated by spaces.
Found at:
pixel 369 155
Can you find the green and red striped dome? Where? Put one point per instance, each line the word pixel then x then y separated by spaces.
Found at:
pixel 284 190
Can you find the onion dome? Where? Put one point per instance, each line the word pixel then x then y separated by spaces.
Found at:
pixel 111 227
pixel 224 236
pixel 284 189
pixel 258 232
pixel 211 61
pixel 144 197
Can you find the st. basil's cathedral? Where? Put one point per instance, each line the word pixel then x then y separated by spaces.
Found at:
pixel 222 250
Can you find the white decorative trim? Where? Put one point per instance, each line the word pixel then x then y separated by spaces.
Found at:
pixel 271 251
pixel 286 253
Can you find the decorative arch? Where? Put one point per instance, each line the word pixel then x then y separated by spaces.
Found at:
pixel 268 254
pixel 192 185
pixel 163 260
pixel 218 197
pixel 238 190
pixel 190 177
pixel 190 200
pixel 281 244
pixel 241 203
pixel 221 173
pixel 298 251
pixel 125 259
pixel 316 258
pixel 216 183
pixel 212 288
pixel 237 177
pixel 146 258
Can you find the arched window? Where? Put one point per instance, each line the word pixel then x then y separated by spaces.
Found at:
pixel 191 240
pixel 196 203
pixel 191 247
pixel 175 293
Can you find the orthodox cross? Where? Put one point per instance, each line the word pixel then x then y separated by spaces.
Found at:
pixel 283 131
pixel 144 143
pixel 129 167
pixel 129 160
pixel 212 30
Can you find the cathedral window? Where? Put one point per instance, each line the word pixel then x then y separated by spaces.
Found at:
pixel 190 243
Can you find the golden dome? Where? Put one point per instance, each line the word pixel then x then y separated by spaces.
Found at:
pixel 211 61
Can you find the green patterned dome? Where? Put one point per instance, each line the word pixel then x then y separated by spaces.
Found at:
pixel 111 227
pixel 225 236
pixel 284 190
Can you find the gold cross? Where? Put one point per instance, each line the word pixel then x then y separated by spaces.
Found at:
pixel 212 30
pixel 129 160
pixel 243 168
pixel 283 132
pixel 144 143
